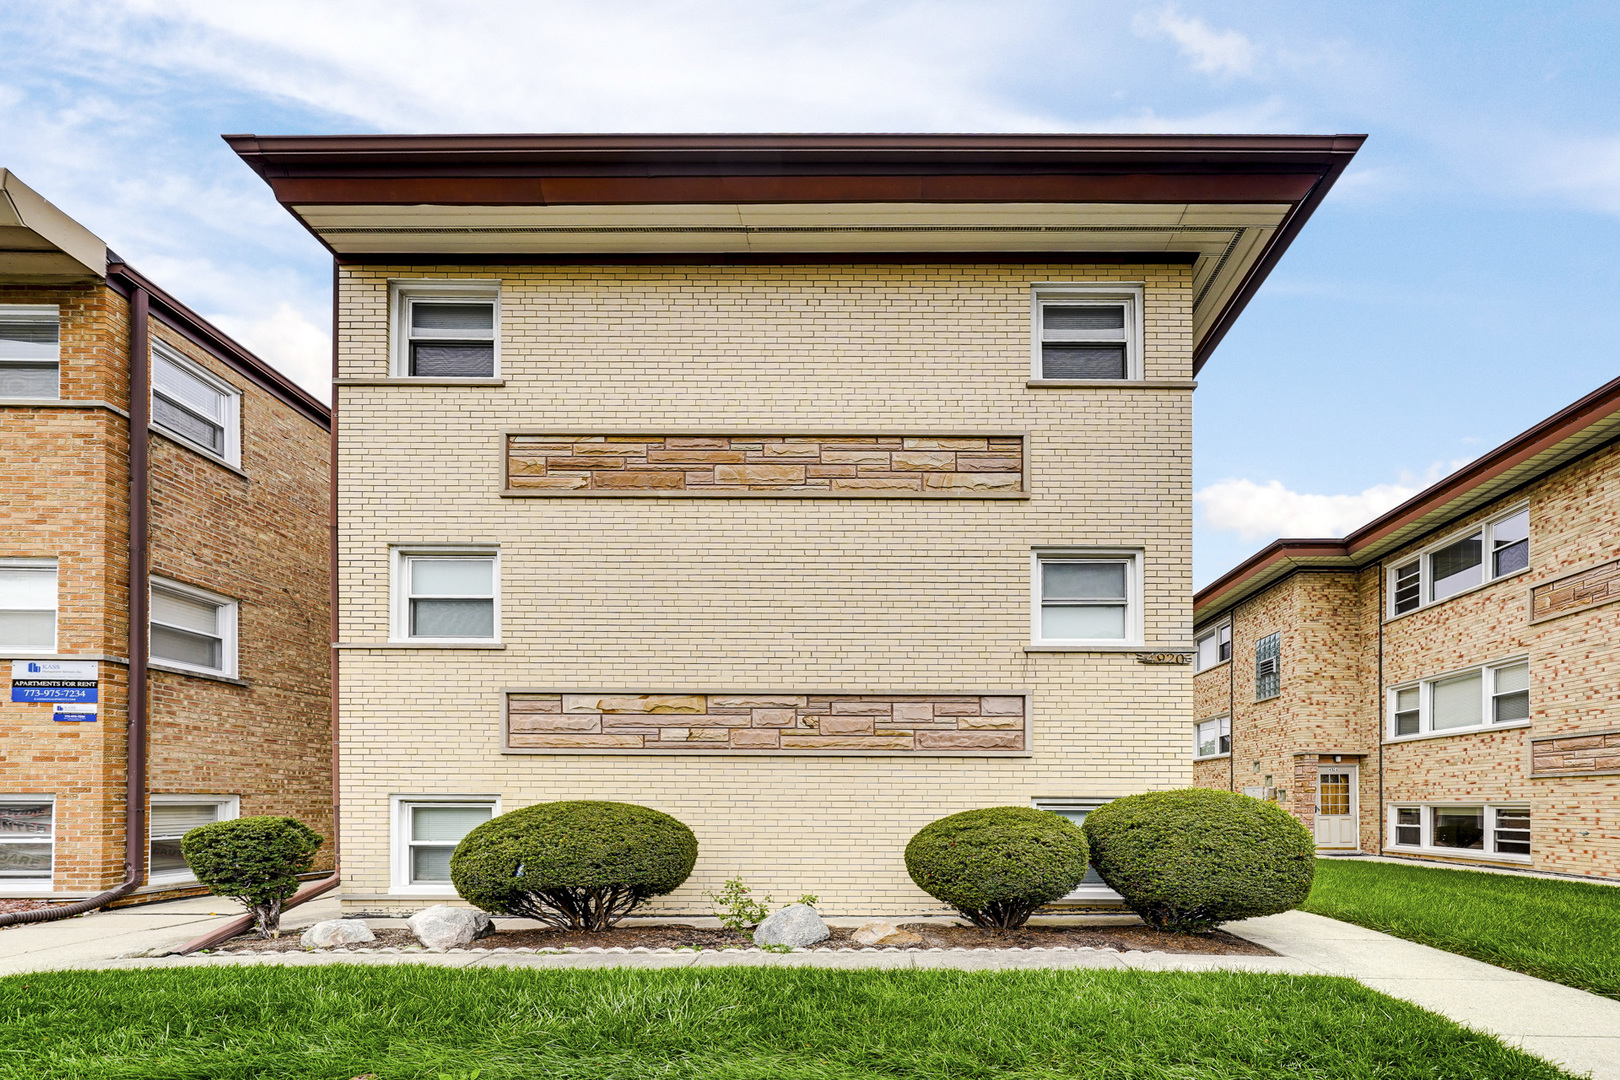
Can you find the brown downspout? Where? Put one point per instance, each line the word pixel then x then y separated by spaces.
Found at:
pixel 241 924
pixel 140 403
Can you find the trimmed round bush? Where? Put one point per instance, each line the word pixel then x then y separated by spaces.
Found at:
pixel 1192 859
pixel 574 865
pixel 254 860
pixel 997 865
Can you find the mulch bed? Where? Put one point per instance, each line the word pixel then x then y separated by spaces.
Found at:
pixel 679 936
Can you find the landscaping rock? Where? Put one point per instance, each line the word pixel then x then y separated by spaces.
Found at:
pixel 796 925
pixel 878 932
pixel 323 935
pixel 446 927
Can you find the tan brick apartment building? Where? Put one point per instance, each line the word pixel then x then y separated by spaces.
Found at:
pixel 807 488
pixel 1444 682
pixel 227 495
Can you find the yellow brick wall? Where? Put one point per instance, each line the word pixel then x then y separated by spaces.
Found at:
pixel 824 596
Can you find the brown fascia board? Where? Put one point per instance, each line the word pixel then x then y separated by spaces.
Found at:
pixel 221 345
pixel 1365 545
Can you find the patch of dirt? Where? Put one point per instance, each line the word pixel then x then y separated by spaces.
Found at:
pixel 935 936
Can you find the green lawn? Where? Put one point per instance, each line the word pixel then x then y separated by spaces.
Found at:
pixel 1565 931
pixel 410 1021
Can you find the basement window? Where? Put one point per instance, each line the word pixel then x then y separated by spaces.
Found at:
pixel 171 818
pixel 1482 831
pixel 30 351
pixel 426 832
pixel 27 841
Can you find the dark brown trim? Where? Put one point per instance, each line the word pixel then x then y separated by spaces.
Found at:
pixel 808 258
pixel 205 335
pixel 332 582
pixel 140 410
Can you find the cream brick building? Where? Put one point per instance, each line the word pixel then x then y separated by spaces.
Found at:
pixel 1441 683
pixel 805 488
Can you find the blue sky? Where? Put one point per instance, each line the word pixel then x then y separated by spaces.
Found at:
pixel 1457 286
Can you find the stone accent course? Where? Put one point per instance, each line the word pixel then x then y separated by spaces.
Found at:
pixel 778 723
pixel 868 465
pixel 1588 588
pixel 1575 754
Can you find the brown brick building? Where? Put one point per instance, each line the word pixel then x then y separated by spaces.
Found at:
pixel 1444 682
pixel 226 493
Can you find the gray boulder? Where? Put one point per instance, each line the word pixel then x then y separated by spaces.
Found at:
pixel 324 935
pixel 446 927
pixel 796 925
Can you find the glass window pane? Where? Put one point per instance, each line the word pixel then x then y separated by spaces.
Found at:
pixel 452 361
pixel 181 386
pixel 28 629
pixel 1456 702
pixel 1409 826
pixel 453 618
pixel 174 820
pixel 1407 595
pixel 187 425
pixel 1510 707
pixel 1513 528
pixel 166 858
pixel 448 823
pixel 28 337
pixel 1099 361
pixel 1208 651
pixel 1462 827
pixel 185 612
pixel 1208 738
pixel 1456 567
pixel 1083 623
pixel 1513 557
pixel 1516 677
pixel 25 860
pixel 431 863
pixel 29 589
pixel 29 381
pixel 1070 318
pixel 463 318
pixel 1225 634
pixel 184 647
pixel 452 577
pixel 25 819
pixel 1082 581
pixel 1513 831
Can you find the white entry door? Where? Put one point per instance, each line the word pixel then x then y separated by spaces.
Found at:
pixel 1336 809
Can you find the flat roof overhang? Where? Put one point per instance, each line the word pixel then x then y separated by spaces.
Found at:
pixel 39 244
pixel 1228 205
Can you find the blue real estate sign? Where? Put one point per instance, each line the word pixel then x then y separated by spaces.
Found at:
pixel 56 682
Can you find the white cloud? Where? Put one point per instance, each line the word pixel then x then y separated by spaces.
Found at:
pixel 1213 52
pixel 289 342
pixel 1586 172
pixel 1266 511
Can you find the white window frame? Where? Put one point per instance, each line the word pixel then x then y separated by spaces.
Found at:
pixel 1485 530
pixel 1130 293
pixel 399 842
pixel 399 589
pixel 1093 892
pixel 402 292
pixel 32 886
pixel 1426 824
pixel 56 618
pixel 40 312
pixel 1131 557
pixel 1425 688
pixel 229 621
pixel 1223 729
pixel 1198 647
pixel 232 454
pixel 230 808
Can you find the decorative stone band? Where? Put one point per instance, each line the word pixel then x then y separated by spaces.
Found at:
pixel 974 724
pixel 842 466
pixel 1576 592
pixel 1575 753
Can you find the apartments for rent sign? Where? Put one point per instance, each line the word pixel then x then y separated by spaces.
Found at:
pixel 57 682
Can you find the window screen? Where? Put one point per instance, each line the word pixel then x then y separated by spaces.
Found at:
pixel 451 339
pixel 1408 710
pixel 1409 826
pixel 29 354
pixel 1510 544
pixel 1084 340
pixel 451 597
pixel 169 824
pixel 435 830
pixel 1510 695
pixel 1084 599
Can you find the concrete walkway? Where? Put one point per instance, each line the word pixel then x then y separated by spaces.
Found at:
pixel 1571 1028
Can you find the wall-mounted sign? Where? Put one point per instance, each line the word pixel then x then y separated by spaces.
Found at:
pixel 52 681
pixel 1164 658
pixel 76 712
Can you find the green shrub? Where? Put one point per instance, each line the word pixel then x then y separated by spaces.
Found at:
pixel 573 865
pixel 255 860
pixel 1189 860
pixel 736 908
pixel 996 866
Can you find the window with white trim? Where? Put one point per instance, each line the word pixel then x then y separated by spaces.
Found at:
pixel 194 406
pixel 446 595
pixel 1087 332
pixel 1495 549
pixel 1462 701
pixel 426 832
pixel 170 818
pixel 28 605
pixel 30 351
pixel 27 840
pixel 1484 830
pixel 193 628
pixel 446 330
pixel 1214 647
pixel 1268 666
pixel 1212 737
pixel 1092 887
pixel 1086 597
